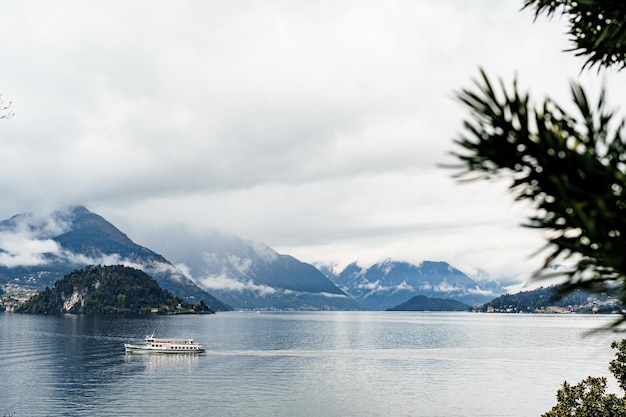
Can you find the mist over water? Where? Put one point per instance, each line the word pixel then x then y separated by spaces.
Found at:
pixel 299 364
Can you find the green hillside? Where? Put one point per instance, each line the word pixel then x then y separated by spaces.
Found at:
pixel 423 303
pixel 108 289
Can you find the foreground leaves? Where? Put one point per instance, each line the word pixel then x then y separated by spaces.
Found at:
pixel 596 27
pixel 571 168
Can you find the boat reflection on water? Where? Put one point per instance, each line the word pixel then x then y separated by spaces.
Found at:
pixel 153 362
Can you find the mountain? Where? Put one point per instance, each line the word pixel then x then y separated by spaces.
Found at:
pixel 423 303
pixel 37 251
pixel 108 289
pixel 389 283
pixel 250 275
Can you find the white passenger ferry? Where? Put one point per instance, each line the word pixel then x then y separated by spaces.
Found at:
pixel 160 345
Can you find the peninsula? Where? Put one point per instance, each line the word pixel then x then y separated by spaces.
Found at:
pixel 108 290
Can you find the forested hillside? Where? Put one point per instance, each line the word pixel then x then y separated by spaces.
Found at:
pixel 108 289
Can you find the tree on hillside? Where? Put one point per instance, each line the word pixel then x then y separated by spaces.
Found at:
pixel 570 167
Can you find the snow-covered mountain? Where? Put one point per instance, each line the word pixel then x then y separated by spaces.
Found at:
pixel 39 250
pixel 389 283
pixel 250 275
pixel 222 270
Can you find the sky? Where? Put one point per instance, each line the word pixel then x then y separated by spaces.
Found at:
pixel 318 128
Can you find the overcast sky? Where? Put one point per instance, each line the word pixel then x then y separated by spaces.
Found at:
pixel 315 127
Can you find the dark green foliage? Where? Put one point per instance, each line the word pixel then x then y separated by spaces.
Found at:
pixel 618 365
pixel 597 28
pixel 524 301
pixel 201 307
pixel 589 398
pixel 107 289
pixel 572 169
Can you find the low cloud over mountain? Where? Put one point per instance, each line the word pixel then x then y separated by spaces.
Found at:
pixel 219 269
pixel 252 275
pixel 40 249
pixel 222 270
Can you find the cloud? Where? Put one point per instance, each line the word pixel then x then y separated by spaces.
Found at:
pixel 316 91
pixel 332 295
pixel 264 252
pixel 316 128
pixel 403 287
pixel 103 259
pixel 317 294
pixel 19 250
pixel 242 266
pixel 23 249
pixel 172 271
pixel 479 291
pixel 184 270
pixel 25 239
pixel 446 287
pixel 224 282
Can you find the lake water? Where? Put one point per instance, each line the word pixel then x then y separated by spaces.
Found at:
pixel 327 364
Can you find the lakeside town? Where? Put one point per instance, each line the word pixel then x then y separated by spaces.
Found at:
pixel 12 295
pixel 592 306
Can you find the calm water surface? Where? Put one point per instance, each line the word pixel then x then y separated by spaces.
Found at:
pixel 299 364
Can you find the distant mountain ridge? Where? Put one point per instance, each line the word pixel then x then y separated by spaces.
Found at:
pixel 250 275
pixel 227 271
pixel 39 251
pixel 222 270
pixel 390 283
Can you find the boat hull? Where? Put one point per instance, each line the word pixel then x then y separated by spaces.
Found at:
pixel 146 349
